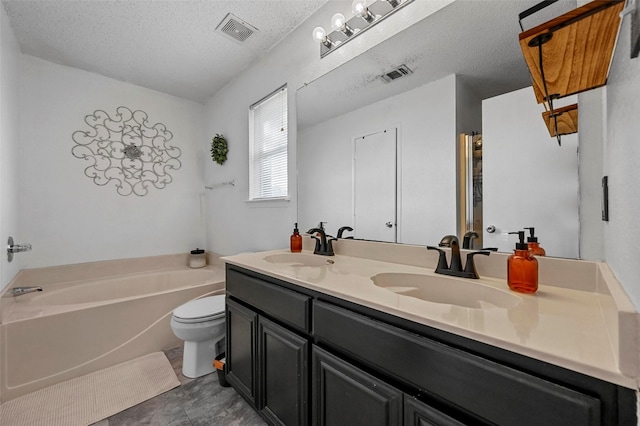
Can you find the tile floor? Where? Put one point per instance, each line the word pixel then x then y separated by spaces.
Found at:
pixel 196 402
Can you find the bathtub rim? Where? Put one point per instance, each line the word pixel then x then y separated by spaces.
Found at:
pixel 13 308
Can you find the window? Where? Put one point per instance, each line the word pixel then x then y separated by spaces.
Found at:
pixel 268 147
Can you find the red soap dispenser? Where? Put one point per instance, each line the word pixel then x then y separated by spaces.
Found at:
pixel 296 240
pixel 522 268
pixel 534 246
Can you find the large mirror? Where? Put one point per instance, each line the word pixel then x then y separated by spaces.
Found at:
pixel 388 154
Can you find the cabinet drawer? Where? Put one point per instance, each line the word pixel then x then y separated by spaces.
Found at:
pixel 286 305
pixel 490 391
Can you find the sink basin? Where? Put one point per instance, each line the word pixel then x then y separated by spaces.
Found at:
pixel 446 290
pixel 298 259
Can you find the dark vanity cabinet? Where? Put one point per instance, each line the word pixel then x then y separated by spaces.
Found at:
pixel 268 348
pixel 302 357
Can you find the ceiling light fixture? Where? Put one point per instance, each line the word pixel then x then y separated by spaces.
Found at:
pixel 365 16
pixel 359 8
pixel 320 35
pixel 339 23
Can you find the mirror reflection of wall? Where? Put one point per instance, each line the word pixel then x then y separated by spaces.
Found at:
pixel 528 180
pixel 428 119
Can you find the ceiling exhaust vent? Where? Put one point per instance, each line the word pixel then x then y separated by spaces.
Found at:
pixel 396 73
pixel 235 28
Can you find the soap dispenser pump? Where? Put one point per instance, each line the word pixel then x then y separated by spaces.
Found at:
pixel 522 268
pixel 296 240
pixel 534 245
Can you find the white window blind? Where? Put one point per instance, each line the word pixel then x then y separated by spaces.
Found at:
pixel 268 147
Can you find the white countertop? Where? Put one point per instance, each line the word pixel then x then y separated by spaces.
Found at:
pixel 562 326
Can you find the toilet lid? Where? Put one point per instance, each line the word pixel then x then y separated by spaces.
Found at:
pixel 212 306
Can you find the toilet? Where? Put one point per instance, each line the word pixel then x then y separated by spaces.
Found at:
pixel 200 323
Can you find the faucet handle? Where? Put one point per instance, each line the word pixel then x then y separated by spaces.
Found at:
pixel 318 246
pixel 442 259
pixel 330 240
pixel 470 266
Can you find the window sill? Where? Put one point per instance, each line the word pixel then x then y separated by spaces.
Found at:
pixel 268 202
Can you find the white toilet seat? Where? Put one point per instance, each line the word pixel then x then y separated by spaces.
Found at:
pixel 200 310
pixel 198 320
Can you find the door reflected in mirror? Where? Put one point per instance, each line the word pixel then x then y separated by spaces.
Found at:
pixel 374 180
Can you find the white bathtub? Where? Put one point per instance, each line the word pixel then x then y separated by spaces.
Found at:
pixel 73 328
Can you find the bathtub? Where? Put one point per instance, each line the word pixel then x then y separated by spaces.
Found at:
pixel 77 327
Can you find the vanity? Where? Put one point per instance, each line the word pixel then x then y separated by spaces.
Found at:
pixel 360 339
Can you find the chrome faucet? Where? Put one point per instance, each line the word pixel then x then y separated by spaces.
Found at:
pixel 455 269
pixel 324 245
pixel 19 291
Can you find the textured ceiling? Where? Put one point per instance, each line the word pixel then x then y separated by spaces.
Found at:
pixel 172 45
pixel 169 46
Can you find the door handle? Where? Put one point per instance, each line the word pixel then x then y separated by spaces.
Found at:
pixel 388 224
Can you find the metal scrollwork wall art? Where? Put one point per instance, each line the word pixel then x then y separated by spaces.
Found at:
pixel 126 150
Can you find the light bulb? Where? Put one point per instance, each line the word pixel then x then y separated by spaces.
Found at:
pixel 319 34
pixel 359 7
pixel 337 21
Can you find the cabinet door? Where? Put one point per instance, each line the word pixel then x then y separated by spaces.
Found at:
pixel 344 395
pixel 417 413
pixel 241 357
pixel 283 370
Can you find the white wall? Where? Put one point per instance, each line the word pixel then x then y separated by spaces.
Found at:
pixel 427 138
pixel 621 164
pixel 9 134
pixel 67 217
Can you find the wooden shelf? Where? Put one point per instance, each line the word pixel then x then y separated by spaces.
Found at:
pixel 566 119
pixel 576 49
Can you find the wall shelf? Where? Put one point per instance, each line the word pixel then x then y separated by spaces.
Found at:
pixel 566 120
pixel 576 49
pixel 568 55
